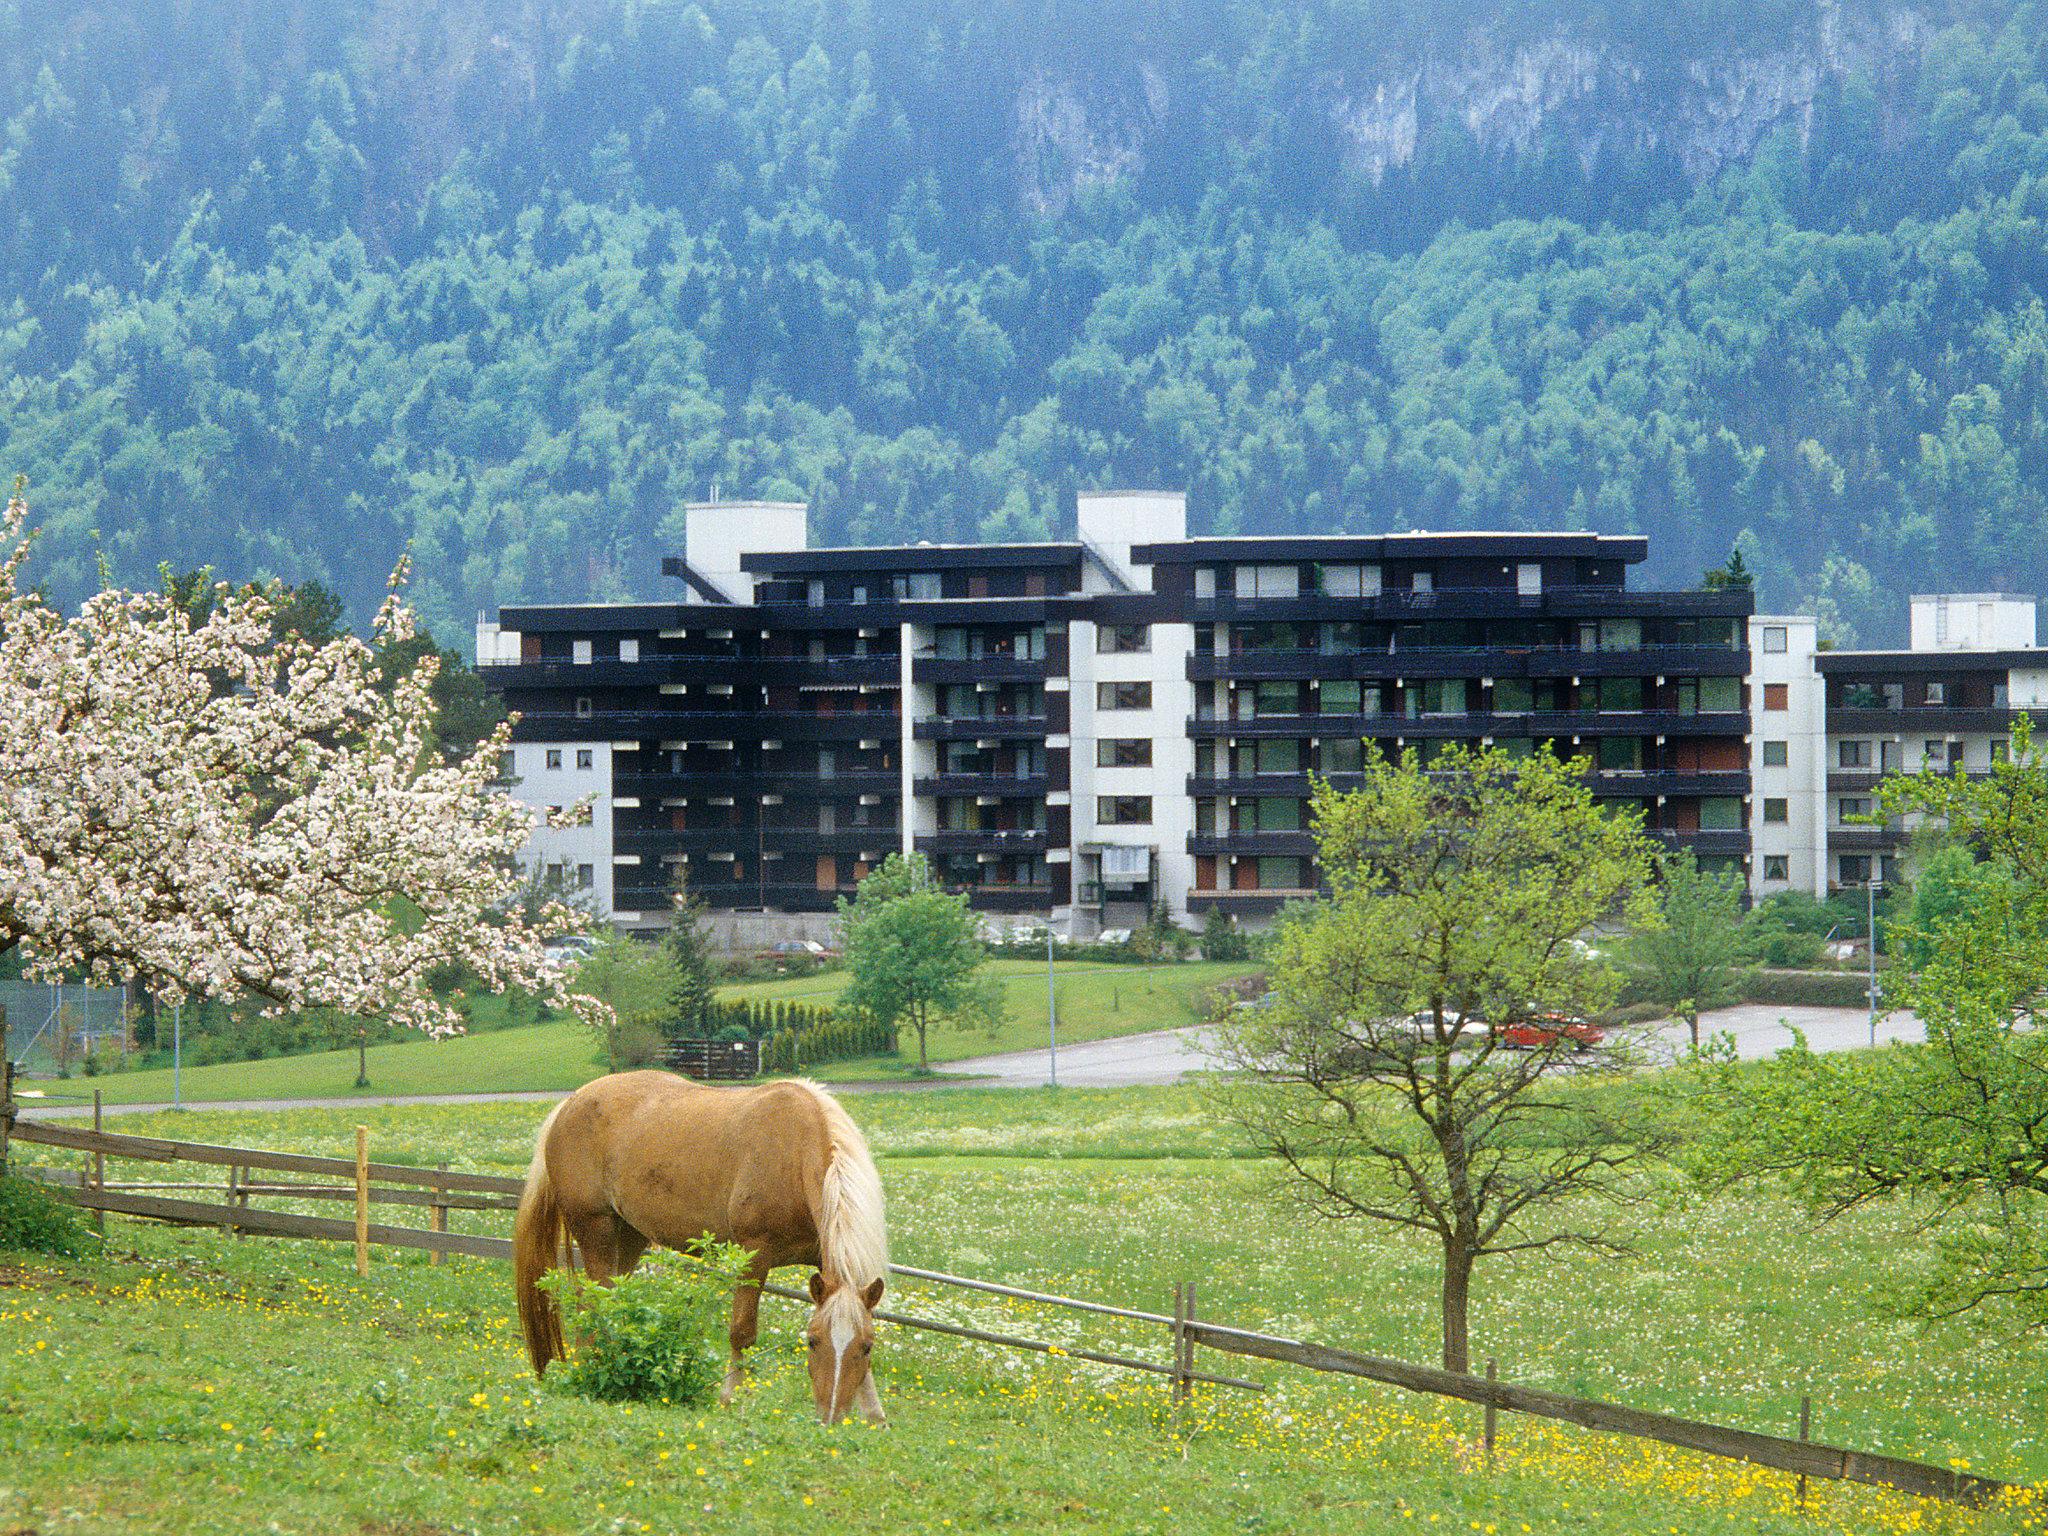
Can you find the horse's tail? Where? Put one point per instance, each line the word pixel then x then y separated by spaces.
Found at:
pixel 853 1235
pixel 536 1239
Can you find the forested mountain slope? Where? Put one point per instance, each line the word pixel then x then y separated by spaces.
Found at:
pixel 289 283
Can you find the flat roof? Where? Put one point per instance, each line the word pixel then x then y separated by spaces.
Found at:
pixel 911 557
pixel 1628 548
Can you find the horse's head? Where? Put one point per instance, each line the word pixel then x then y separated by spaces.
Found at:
pixel 841 1336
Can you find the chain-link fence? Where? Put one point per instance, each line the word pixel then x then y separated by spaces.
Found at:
pixel 55 1027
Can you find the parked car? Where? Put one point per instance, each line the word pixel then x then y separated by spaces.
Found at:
pixel 794 947
pixel 1549 1030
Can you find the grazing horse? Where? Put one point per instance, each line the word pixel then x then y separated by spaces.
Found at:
pixel 778 1169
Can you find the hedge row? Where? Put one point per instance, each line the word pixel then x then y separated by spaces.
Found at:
pixel 746 1019
pixel 1808 989
pixel 831 1039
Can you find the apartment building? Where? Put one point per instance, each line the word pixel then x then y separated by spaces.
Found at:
pixel 1085 730
pixel 1947 702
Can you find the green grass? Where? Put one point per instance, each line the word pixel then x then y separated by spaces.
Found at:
pixel 1727 1309
pixel 1096 1002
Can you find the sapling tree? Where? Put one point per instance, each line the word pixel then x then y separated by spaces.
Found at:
pixel 914 954
pixel 1695 958
pixel 1381 1077
pixel 227 808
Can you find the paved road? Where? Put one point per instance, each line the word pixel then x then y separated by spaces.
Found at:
pixel 1168 1055
pixel 1163 1056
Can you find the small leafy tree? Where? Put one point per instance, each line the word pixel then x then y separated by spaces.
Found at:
pixel 1696 956
pixel 637 982
pixel 914 954
pixel 1378 1077
pixel 655 1335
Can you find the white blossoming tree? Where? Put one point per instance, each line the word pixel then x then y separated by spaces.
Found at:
pixel 228 814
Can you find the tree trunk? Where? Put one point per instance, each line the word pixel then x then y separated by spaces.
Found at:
pixel 1692 1022
pixel 362 1056
pixel 922 1064
pixel 1457 1304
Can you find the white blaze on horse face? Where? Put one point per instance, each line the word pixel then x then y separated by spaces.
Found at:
pixel 843 1335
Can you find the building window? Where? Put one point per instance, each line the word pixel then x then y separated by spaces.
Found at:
pixel 1529 580
pixel 1205 583
pixel 1620 754
pixel 1720 813
pixel 554 757
pixel 1268 581
pixel 586 875
pixel 585 757
pixel 1717 695
pixel 1855 869
pixel 1124 752
pixel 1422 581
pixel 579 652
pixel 1852 754
pixel 1349 580
pixel 1937 693
pixel 1777 811
pixel 1851 808
pixel 1774 639
pixel 1775 696
pixel 629 650
pixel 1936 753
pixel 1343 754
pixel 1123 810
pixel 1123 639
pixel 582 706
pixel 1776 754
pixel 1280 874
pixel 919 587
pixel 1123 695
pixel 1775 867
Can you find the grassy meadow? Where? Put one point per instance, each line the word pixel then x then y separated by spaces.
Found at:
pixel 1095 1002
pixel 187 1382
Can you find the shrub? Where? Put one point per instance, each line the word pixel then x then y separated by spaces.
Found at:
pixel 1810 989
pixel 1222 939
pixel 656 1335
pixel 34 1221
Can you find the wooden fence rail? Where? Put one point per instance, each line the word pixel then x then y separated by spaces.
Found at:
pixel 430 1187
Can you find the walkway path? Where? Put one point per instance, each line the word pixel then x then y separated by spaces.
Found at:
pixel 1163 1056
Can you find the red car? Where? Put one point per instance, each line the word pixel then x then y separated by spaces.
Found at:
pixel 1550 1030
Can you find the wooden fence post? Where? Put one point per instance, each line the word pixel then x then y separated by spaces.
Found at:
pixel 437 1218
pixel 1183 1342
pixel 228 1200
pixel 1805 1433
pixel 99 1168
pixel 363 1200
pixel 6 1101
pixel 1487 1434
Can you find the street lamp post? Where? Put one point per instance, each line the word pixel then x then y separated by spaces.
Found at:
pixel 1052 1016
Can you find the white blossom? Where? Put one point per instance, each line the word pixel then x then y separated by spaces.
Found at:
pixel 228 815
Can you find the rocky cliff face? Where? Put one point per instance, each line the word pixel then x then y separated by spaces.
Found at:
pixel 1597 95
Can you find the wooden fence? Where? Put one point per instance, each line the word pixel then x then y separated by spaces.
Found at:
pixel 714 1060
pixel 442 1190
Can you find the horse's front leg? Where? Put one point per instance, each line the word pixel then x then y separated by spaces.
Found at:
pixel 744 1328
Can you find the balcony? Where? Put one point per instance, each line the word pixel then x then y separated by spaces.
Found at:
pixel 1011 785
pixel 978 669
pixel 978 727
pixel 1562 724
pixel 1733 840
pixel 1293 842
pixel 1921 720
pixel 984 840
pixel 878 841
pixel 1860 837
pixel 1671 781
pixel 1481 603
pixel 1473 661
pixel 748 784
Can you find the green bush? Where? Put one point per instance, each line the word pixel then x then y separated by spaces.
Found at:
pixel 656 1335
pixel 34 1221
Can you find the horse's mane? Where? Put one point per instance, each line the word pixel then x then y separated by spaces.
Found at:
pixel 853 1238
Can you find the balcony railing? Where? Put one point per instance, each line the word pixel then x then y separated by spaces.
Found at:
pixel 984 840
pixel 1021 785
